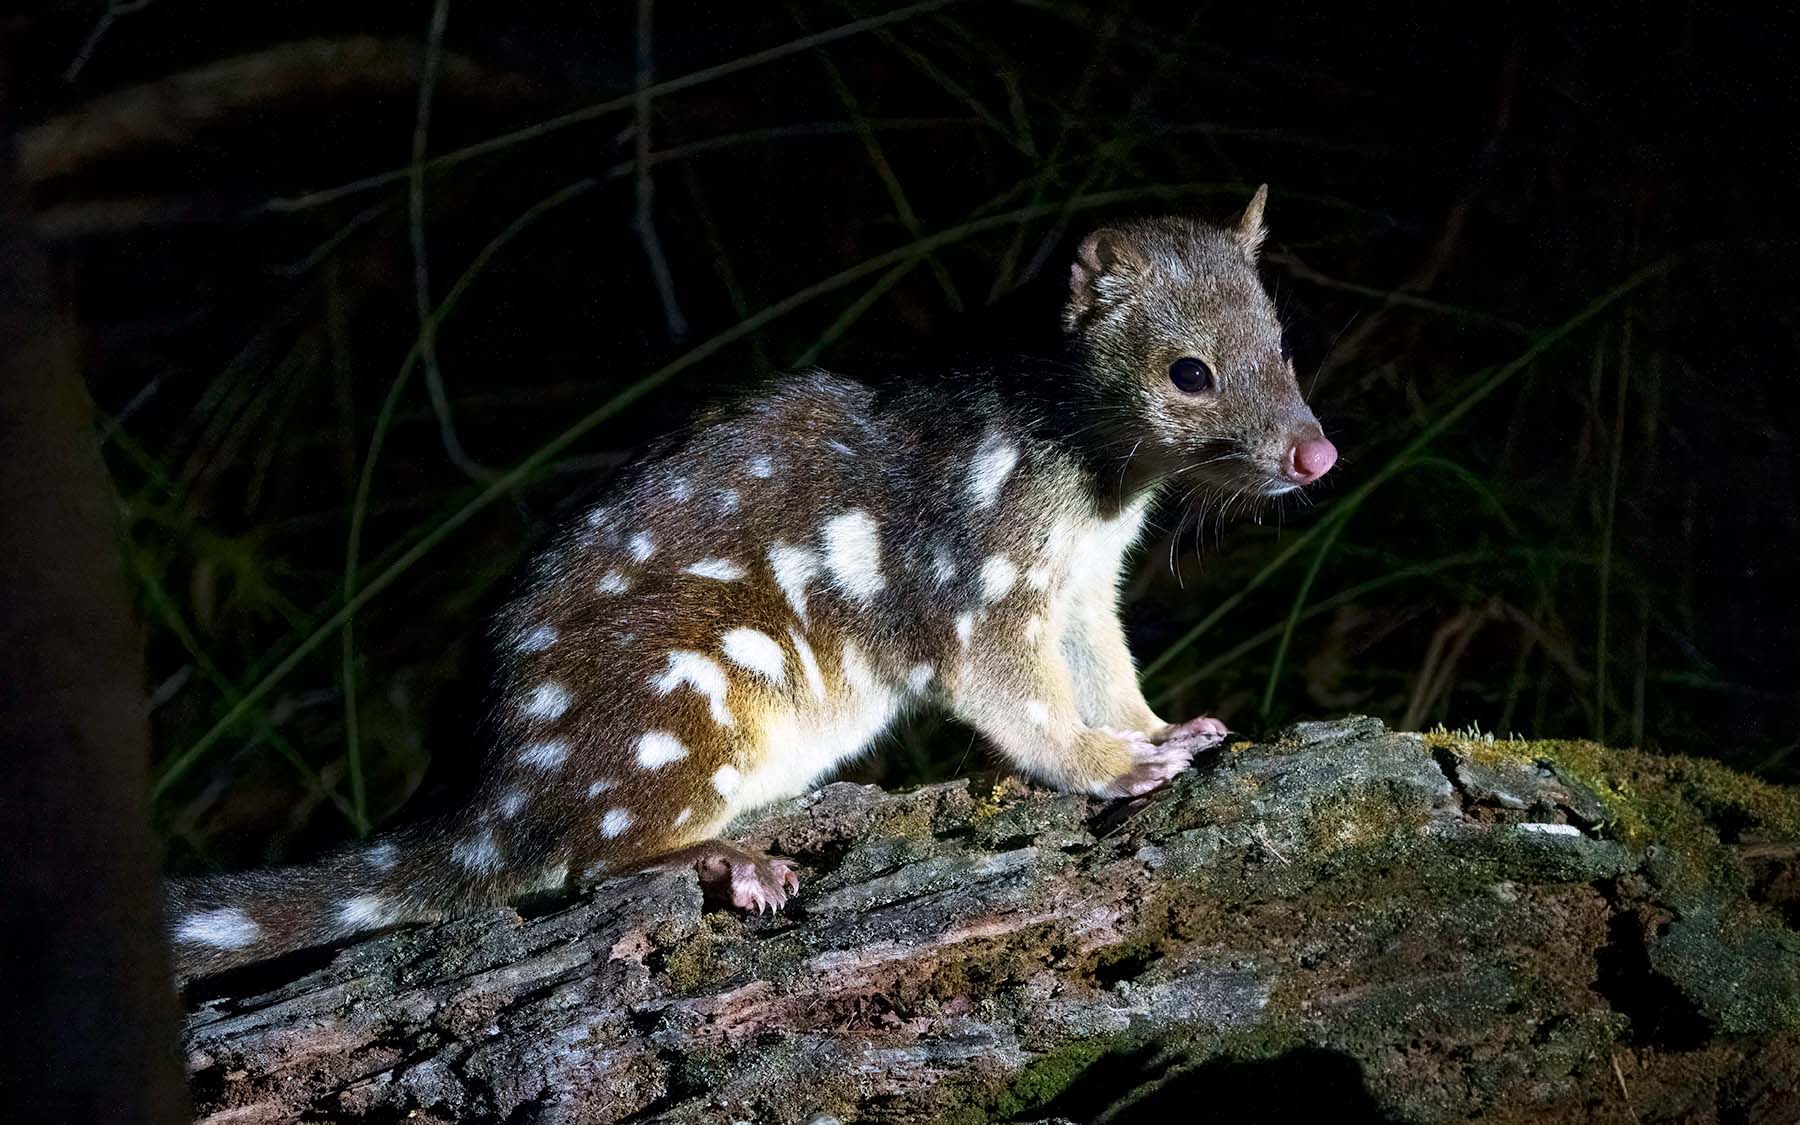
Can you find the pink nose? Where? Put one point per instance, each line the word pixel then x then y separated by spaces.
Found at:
pixel 1309 460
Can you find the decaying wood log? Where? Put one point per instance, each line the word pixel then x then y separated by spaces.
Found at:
pixel 1382 926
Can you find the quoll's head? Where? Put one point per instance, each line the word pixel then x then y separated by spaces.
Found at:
pixel 1170 315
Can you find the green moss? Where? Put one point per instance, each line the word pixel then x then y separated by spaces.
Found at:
pixel 716 952
pixel 1613 776
pixel 1751 805
pixel 1046 1077
pixel 914 821
pixel 996 798
pixel 1370 816
pixel 1648 795
pixel 1266 1040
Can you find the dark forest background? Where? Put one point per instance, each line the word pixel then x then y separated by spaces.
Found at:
pixel 368 295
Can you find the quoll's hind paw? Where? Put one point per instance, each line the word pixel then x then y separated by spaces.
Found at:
pixel 746 881
pixel 1198 734
pixel 1151 765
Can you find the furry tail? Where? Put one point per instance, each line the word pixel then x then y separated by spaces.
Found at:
pixel 417 874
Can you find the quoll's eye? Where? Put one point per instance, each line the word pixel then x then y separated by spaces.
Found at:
pixel 1191 375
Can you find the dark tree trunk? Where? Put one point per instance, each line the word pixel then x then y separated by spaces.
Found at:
pixel 1345 924
pixel 87 1015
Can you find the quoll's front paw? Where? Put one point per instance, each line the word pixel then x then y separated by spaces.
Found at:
pixel 1198 734
pixel 746 881
pixel 1151 764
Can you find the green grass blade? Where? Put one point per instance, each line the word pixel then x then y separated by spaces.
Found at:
pixel 1343 515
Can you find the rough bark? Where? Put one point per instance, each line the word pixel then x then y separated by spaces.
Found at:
pixel 1385 926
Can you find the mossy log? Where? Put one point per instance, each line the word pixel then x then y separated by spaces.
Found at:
pixel 1375 925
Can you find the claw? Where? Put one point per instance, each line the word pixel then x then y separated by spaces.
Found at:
pixel 746 881
pixel 786 876
pixel 1152 764
pixel 1202 733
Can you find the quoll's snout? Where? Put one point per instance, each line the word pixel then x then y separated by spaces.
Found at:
pixel 1309 458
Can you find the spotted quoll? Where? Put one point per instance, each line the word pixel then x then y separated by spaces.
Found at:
pixel 762 597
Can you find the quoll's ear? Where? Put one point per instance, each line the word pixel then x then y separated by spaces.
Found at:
pixel 1250 231
pixel 1104 253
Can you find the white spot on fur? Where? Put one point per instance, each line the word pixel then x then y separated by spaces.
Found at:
pixel 965 628
pixel 853 553
pixel 679 491
pixel 809 666
pixel 657 748
pixel 794 567
pixel 614 823
pixel 724 570
pixel 703 674
pixel 761 467
pixel 997 577
pixel 641 546
pixel 612 583
pixel 382 856
pixel 225 928
pixel 943 567
pixel 681 817
pixel 478 854
pixel 726 780
pixel 1034 628
pixel 757 651
pixel 919 678
pixel 1038 577
pixel 993 463
pixel 728 499
pixel 1038 712
pixel 538 639
pixel 604 785
pixel 837 446
pixel 546 755
pixel 553 563
pixel 511 802
pixel 364 912
pixel 548 701
pixel 598 517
